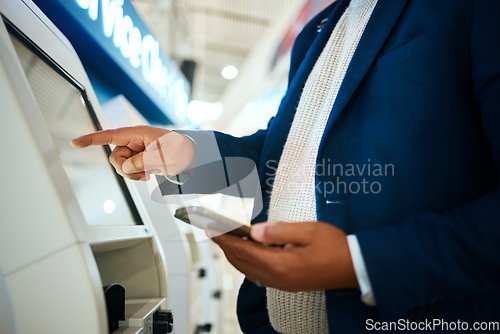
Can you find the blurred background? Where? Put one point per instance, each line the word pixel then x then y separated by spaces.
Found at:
pixel 237 52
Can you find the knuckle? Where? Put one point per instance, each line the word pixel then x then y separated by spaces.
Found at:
pixel 107 134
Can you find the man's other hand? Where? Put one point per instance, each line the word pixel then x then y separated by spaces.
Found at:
pixel 310 256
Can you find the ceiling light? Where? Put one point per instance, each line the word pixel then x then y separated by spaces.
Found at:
pixel 199 111
pixel 229 72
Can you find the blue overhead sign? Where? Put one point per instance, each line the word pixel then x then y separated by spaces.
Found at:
pixel 111 38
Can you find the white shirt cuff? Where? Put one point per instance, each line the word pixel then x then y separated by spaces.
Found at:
pixel 360 270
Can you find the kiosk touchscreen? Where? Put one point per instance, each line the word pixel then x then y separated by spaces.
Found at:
pixel 101 193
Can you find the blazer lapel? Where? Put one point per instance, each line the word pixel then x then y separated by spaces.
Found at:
pixel 306 51
pixel 383 19
pixel 308 47
pixel 303 42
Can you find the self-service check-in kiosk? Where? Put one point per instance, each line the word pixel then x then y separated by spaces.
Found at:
pixel 78 252
pixel 195 267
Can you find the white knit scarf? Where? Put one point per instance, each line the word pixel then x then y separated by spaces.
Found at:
pixel 293 195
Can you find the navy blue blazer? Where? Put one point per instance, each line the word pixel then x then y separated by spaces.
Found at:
pixel 419 108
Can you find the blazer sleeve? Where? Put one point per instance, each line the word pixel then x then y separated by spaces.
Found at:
pixel 450 255
pixel 221 161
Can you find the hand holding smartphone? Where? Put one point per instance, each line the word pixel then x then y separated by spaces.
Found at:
pixel 209 220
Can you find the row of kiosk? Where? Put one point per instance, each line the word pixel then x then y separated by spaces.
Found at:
pixel 81 249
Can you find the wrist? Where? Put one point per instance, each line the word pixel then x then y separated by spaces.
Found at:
pixel 185 155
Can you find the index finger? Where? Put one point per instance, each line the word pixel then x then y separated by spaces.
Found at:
pixel 118 137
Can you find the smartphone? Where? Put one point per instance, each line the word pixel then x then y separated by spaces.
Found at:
pixel 206 219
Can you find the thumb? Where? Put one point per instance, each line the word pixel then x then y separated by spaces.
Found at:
pixel 134 164
pixel 283 233
pixel 148 161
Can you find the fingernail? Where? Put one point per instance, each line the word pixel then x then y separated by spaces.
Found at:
pixel 127 167
pixel 73 143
